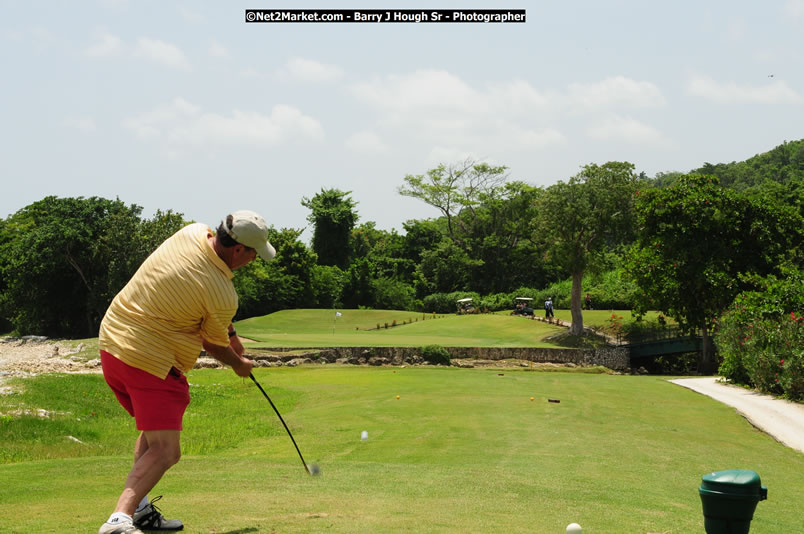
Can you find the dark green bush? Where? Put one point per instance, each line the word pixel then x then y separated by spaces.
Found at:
pixel 393 295
pixel 446 302
pixel 761 338
pixel 436 355
pixel 609 291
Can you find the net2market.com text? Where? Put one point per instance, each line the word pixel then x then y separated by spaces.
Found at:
pixel 392 16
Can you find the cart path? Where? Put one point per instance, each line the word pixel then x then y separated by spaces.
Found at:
pixel 782 419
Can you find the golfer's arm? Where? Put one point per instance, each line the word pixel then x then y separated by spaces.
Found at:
pixel 234 341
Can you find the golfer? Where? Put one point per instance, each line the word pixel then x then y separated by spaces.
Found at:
pixel 180 300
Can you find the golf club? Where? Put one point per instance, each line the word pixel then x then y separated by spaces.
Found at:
pixel 313 470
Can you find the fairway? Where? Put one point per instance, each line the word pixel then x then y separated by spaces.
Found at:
pixel 322 328
pixel 460 450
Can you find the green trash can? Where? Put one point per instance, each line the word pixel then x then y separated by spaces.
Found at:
pixel 729 499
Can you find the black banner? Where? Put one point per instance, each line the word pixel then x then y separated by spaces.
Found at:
pixel 482 16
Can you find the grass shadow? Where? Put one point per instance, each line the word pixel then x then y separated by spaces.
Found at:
pixel 567 340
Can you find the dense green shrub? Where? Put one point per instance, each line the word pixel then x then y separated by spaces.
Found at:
pixel 497 302
pixel 436 355
pixel 765 354
pixel 446 302
pixel 393 295
pixel 761 338
pixel 609 291
pixel 327 283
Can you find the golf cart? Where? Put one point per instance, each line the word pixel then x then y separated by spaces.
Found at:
pixel 522 306
pixel 465 306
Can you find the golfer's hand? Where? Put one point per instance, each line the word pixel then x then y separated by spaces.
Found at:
pixel 244 367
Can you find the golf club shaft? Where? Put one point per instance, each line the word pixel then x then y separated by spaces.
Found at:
pixel 283 422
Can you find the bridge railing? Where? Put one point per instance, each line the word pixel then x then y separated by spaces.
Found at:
pixel 653 335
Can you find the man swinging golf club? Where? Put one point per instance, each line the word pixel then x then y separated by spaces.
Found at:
pixel 180 300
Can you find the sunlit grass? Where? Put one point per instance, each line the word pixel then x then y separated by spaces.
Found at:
pixel 321 328
pixel 461 450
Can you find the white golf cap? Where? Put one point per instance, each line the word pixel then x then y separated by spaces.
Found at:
pixel 249 229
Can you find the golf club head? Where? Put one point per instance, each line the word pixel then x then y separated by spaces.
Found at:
pixel 314 470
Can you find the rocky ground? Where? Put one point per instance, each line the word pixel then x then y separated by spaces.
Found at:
pixel 33 355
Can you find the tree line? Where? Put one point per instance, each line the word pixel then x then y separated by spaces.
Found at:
pixel 685 244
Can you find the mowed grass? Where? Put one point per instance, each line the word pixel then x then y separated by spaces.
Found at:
pixel 602 318
pixel 321 328
pixel 461 450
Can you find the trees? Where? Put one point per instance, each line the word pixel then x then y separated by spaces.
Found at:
pixel 64 260
pixel 454 188
pixel 333 216
pixel 581 217
pixel 284 282
pixel 385 252
pixel 489 219
pixel 780 164
pixel 444 269
pixel 499 233
pixel 696 242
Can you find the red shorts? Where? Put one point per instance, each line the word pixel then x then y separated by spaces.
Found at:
pixel 155 404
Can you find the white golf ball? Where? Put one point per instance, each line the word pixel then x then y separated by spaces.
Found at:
pixel 574 528
pixel 364 435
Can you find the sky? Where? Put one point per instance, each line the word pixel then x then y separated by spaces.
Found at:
pixel 182 105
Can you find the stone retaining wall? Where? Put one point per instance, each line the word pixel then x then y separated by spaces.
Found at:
pixel 614 358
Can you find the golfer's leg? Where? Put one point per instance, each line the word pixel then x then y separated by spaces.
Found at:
pixel 158 451
pixel 140 447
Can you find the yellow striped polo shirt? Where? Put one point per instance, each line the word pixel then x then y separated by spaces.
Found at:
pixel 181 294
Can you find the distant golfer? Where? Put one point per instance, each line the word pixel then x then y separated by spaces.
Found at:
pixel 548 308
pixel 180 300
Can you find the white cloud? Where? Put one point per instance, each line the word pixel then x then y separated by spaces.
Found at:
pixel 191 16
pixel 113 4
pixel 441 96
pixel 307 70
pixel 106 45
pixel 183 124
pixel 736 30
pixel 217 50
pixel 446 155
pixel 250 73
pixel 538 138
pixel 38 38
pixel 155 123
pixel 161 52
pixel 440 109
pixel 42 37
pixel 776 92
pixel 82 124
pixel 424 91
pixel 617 91
pixel 626 129
pixel 519 96
pixel 366 141
pixel 794 8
